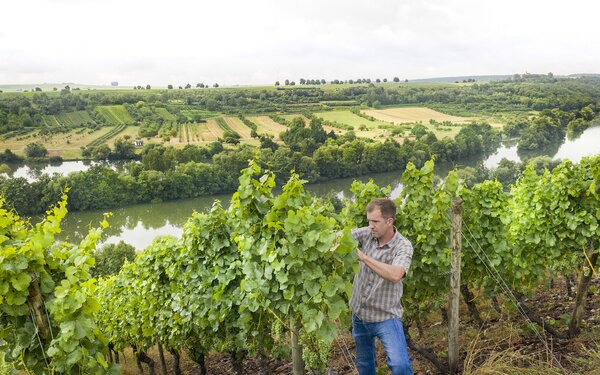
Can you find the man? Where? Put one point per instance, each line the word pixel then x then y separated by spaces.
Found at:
pixel 384 257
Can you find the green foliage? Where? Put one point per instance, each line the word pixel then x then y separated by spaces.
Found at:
pixel 110 258
pixel 554 218
pixel 35 150
pixel 30 257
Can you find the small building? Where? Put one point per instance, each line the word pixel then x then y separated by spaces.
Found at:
pixel 114 83
pixel 138 143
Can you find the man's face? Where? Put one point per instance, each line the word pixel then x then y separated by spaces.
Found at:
pixel 378 225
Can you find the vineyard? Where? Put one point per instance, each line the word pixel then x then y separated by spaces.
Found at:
pixel 114 114
pixel 267 276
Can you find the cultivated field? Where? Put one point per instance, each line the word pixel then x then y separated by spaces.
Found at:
pixel 68 145
pixel 413 114
pixel 115 114
pixel 348 118
pixel 388 120
pixel 265 125
pixel 239 127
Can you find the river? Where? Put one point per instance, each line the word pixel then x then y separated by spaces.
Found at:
pixel 139 224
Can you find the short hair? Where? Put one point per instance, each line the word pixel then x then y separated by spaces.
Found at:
pixel 385 205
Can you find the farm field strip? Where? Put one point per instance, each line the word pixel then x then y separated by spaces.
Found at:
pixel 107 136
pixel 62 141
pixel 238 126
pixel 214 131
pixel 74 119
pixel 413 114
pixel 115 114
pixel 131 131
pixel 266 125
pixel 50 121
pixel 291 117
pixel 349 118
pixel 194 133
pixel 183 134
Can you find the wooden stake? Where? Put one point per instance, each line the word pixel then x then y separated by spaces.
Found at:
pixel 453 346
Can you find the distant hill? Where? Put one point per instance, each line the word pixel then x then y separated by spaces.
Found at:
pixel 58 86
pixel 463 78
pixel 579 75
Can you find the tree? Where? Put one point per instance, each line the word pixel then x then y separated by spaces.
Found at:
pixel 216 85
pixel 396 79
pixel 111 257
pixel 170 87
pixel 148 87
pixel 35 150
pixel 287 82
pixel 276 83
pixel 123 149
pixel 188 86
pixel 419 130
pixel 101 152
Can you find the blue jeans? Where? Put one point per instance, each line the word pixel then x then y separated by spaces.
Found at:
pixel 391 335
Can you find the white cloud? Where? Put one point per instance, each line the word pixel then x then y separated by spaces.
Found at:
pixel 249 42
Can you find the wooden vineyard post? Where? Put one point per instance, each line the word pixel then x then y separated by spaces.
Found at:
pixel 38 310
pixel 297 361
pixel 454 287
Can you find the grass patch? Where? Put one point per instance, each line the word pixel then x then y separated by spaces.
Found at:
pixel 350 119
pixel 106 136
pixel 115 114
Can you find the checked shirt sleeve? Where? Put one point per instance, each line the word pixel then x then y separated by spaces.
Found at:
pixel 404 254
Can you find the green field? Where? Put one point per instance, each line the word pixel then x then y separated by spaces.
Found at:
pixel 351 119
pixel 74 119
pixel 165 114
pixel 115 114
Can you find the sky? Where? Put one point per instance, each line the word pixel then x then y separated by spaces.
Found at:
pixel 253 42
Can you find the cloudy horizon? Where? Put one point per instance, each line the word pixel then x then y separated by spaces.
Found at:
pixel 235 42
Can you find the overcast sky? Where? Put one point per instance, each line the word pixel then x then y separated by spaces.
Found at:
pixel 260 41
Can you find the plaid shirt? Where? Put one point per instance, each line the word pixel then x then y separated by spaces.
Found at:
pixel 375 299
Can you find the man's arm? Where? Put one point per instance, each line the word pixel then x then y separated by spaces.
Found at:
pixel 389 272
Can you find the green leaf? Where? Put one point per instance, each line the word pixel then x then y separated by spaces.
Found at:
pixel 20 281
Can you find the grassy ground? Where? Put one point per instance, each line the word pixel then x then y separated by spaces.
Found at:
pixel 349 118
pixel 62 144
